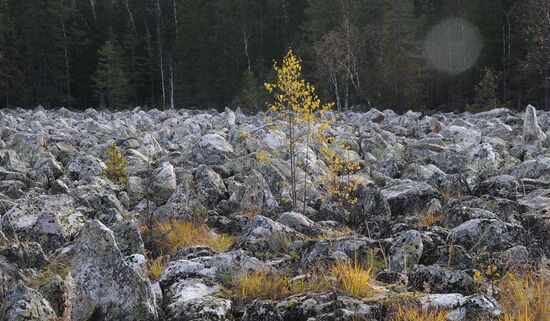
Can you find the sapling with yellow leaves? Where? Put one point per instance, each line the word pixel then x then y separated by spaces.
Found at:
pixel 299 108
pixel 340 182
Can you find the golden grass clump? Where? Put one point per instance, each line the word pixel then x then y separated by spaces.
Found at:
pixel 155 268
pixel 430 220
pixel 525 298
pixel 345 276
pixel 353 278
pixel 413 313
pixel 275 286
pixel 344 231
pixel 177 234
pixel 262 285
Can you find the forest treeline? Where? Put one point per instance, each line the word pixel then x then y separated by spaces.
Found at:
pixel 400 54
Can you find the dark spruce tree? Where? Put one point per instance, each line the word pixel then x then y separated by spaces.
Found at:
pixel 111 82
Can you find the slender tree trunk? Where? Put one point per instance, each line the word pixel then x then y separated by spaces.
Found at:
pixel 174 6
pixel 126 4
pixel 92 5
pixel 306 165
pixel 546 93
pixel 161 62
pixel 171 86
pixel 67 67
pixel 150 53
pixel 292 160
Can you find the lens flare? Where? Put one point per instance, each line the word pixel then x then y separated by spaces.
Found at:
pixel 453 46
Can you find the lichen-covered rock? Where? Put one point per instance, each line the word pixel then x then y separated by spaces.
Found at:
pixel 299 223
pixel 212 267
pixel 85 166
pixel 436 279
pixel 25 255
pixel 48 220
pixel 26 304
pixel 261 310
pixel 163 184
pixel 213 149
pixel 209 186
pixel 9 278
pixel 326 307
pixel 464 308
pixel 406 250
pixel 128 237
pixel 106 287
pixel 195 300
pixel 262 234
pixel 533 136
pixel 408 197
pixel 486 234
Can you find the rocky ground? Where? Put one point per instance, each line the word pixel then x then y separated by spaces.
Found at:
pixel 443 196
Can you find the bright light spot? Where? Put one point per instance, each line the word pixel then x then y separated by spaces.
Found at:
pixel 453 46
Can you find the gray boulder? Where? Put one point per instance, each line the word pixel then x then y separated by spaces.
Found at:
pixel 436 279
pixel 105 285
pixel 406 250
pixel 533 136
pixel 209 186
pixel 213 149
pixel 407 198
pixel 26 304
pixel 262 234
pixel 163 184
pixel 464 308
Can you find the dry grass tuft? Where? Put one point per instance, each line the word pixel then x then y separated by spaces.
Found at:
pixel 262 285
pixel 274 286
pixel 155 268
pixel 347 277
pixel 177 234
pixel 344 231
pixel 416 314
pixel 430 220
pixel 353 278
pixel 525 298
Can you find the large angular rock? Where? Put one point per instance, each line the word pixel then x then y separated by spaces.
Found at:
pixel 406 250
pixel 262 234
pixel 26 304
pixel 464 308
pixel 436 279
pixel 25 255
pixel 213 149
pixel 164 184
pixel 48 220
pixel 533 136
pixel 327 306
pixel 195 300
pixel 408 197
pixel 85 166
pixel 209 186
pixel 107 287
pixel 486 234
pixel 261 310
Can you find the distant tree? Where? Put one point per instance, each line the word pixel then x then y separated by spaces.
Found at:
pixel 537 35
pixel 339 54
pixel 253 95
pixel 485 92
pixel 111 82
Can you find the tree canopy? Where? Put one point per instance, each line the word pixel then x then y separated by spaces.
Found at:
pixel 399 54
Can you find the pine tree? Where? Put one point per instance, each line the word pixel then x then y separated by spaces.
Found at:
pixel 116 165
pixel 111 82
pixel 485 93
